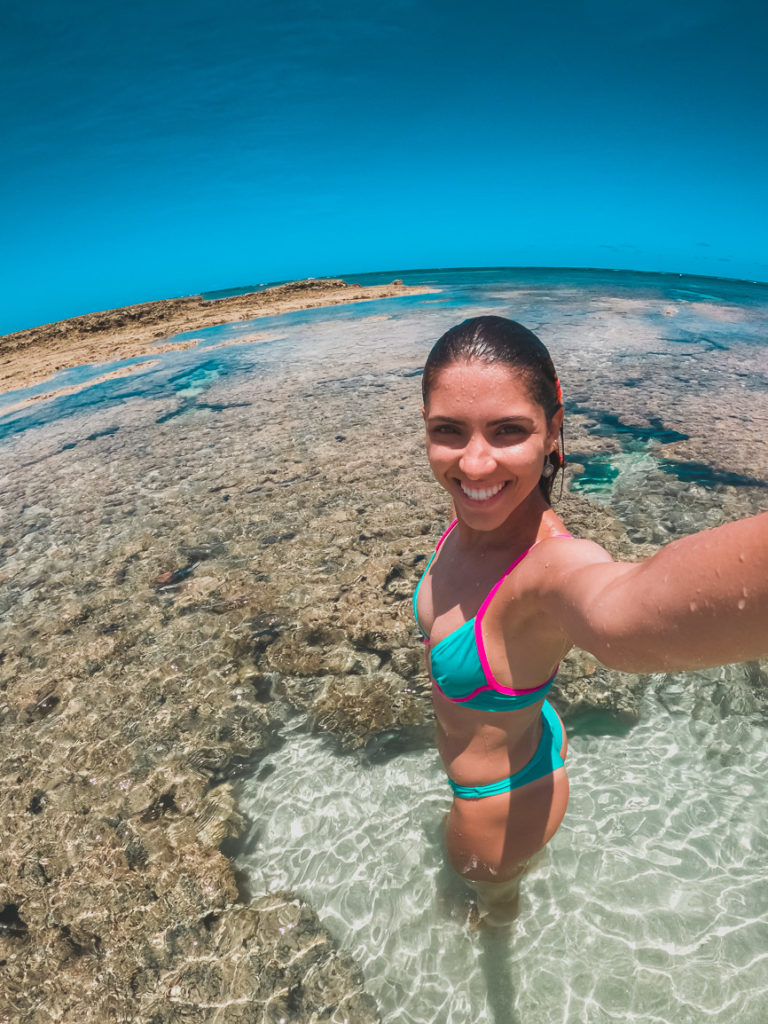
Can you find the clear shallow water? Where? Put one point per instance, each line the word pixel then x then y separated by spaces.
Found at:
pixel 281 484
pixel 650 904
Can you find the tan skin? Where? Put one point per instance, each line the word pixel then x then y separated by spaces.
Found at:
pixel 487 440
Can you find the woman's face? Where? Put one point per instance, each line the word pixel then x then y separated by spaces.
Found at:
pixel 487 440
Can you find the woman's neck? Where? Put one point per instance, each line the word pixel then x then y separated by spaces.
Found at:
pixel 521 528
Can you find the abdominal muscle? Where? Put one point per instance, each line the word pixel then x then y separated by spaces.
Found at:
pixel 490 839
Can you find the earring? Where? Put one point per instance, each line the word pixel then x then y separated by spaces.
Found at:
pixel 548 471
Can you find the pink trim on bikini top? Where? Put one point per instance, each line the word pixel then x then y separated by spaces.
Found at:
pixel 444 534
pixel 478 622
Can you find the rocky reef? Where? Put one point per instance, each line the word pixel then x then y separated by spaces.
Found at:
pixel 33 354
pixel 175 579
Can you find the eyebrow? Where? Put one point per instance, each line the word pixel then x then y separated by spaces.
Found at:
pixel 491 423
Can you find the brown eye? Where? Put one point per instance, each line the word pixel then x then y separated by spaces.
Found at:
pixel 511 428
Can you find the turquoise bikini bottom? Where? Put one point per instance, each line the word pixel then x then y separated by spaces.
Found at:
pixel 546 760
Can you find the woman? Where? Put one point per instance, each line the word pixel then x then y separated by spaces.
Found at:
pixel 509 591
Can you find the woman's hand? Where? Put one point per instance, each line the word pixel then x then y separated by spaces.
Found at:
pixel 698 602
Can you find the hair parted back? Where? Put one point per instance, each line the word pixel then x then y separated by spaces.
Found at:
pixel 495 339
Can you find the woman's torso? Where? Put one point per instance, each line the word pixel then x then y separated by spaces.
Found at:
pixel 519 647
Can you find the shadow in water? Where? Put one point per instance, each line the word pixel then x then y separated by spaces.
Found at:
pixel 599 723
pixel 386 746
pixel 496 949
pixel 496 961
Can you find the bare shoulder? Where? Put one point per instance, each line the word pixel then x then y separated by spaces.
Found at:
pixel 561 555
pixel 557 567
pixel 567 570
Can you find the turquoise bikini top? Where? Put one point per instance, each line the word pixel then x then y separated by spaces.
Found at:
pixel 459 664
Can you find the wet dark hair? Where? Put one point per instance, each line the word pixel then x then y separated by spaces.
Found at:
pixel 494 339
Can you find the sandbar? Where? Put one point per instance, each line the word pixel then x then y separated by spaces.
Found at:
pixel 33 355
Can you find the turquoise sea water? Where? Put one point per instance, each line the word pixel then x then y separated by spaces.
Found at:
pixel 541 298
pixel 650 904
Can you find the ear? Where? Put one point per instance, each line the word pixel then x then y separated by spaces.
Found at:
pixel 555 427
pixel 424 414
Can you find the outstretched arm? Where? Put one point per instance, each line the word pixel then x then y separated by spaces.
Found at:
pixel 698 602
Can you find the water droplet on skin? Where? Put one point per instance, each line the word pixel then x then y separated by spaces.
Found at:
pixel 693 606
pixel 742 604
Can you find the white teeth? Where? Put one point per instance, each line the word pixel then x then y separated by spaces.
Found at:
pixel 481 495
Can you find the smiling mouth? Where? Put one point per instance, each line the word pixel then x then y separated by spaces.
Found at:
pixel 482 493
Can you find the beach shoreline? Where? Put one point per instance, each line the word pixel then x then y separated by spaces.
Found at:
pixel 33 355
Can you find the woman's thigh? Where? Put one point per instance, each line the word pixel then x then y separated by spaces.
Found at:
pixel 491 839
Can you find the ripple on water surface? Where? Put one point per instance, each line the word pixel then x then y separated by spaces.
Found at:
pixel 650 904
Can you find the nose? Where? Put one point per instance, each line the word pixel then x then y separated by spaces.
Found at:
pixel 477 460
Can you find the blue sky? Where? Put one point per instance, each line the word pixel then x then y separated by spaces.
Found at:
pixel 157 149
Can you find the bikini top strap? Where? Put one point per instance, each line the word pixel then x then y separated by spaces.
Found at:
pixel 516 562
pixel 484 607
pixel 444 535
pixel 426 570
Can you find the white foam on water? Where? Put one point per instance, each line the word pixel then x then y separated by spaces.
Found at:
pixel 649 906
